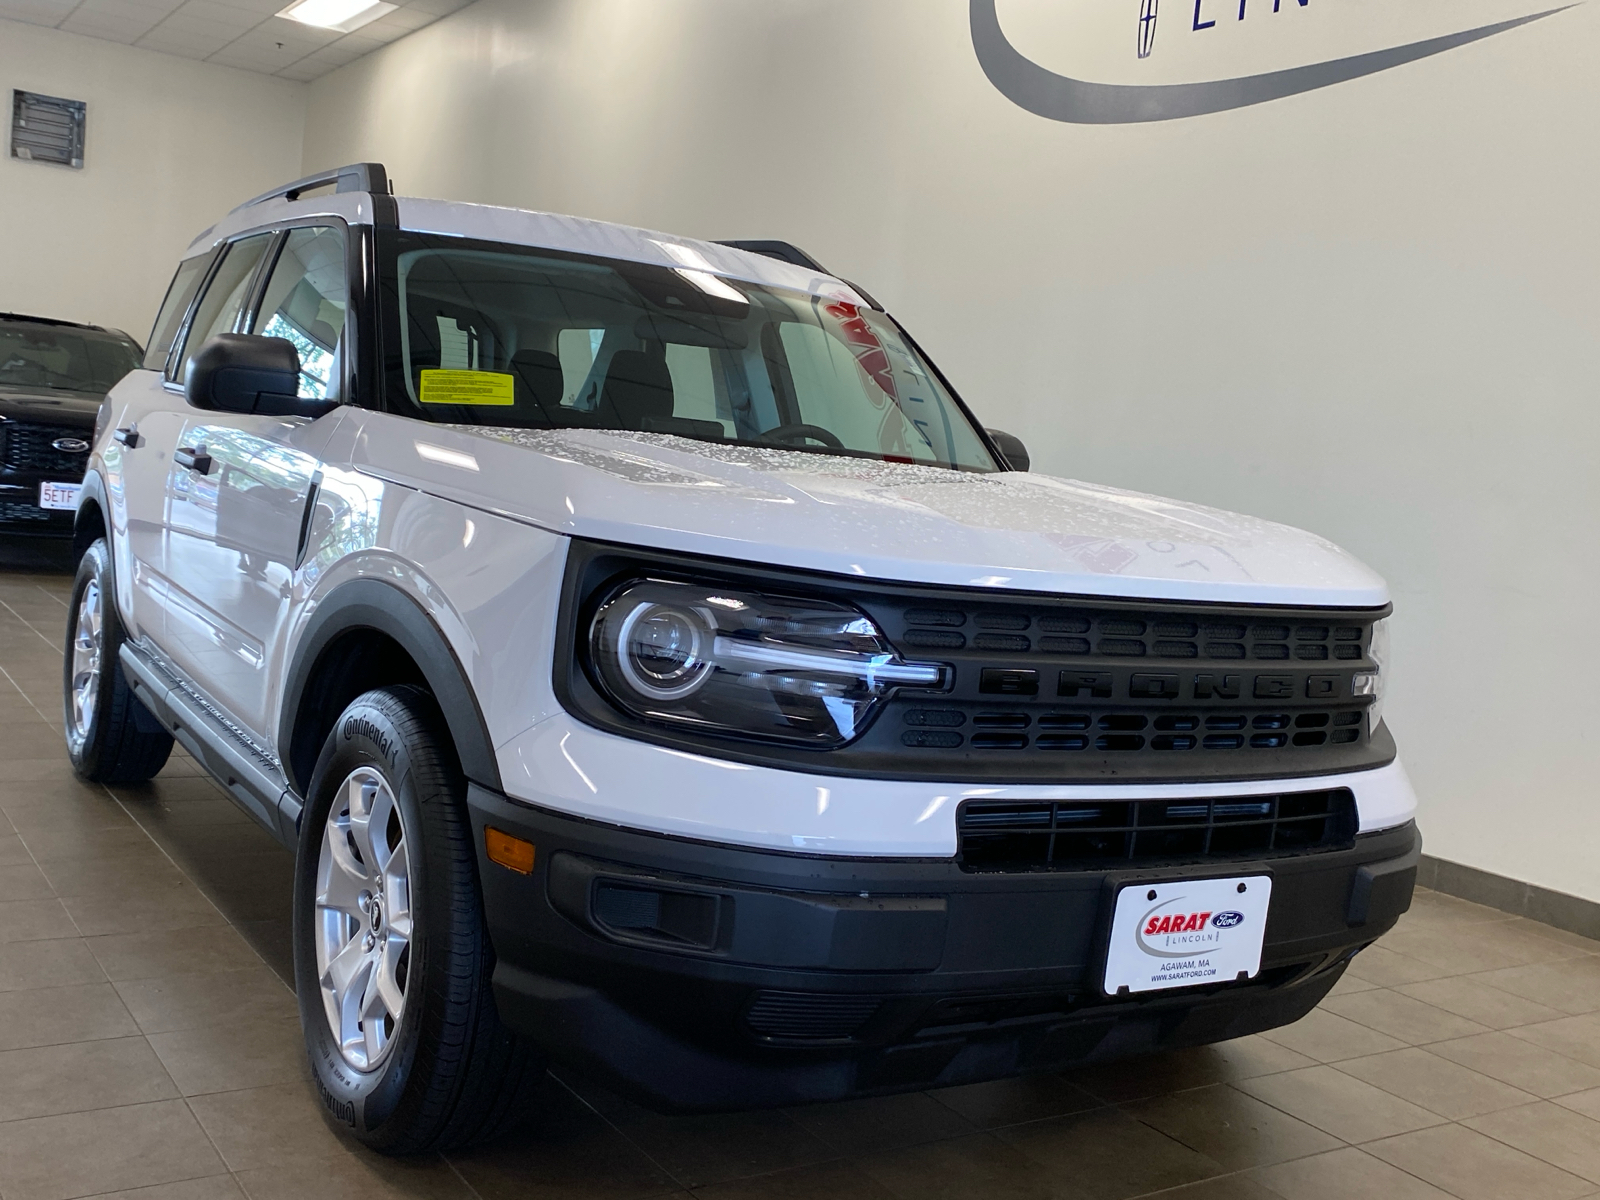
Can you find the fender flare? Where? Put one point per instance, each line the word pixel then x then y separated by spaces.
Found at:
pixel 376 605
pixel 93 492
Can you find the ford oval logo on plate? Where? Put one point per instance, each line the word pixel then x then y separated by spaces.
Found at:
pixel 1227 920
pixel 70 445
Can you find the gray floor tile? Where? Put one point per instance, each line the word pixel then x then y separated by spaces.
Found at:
pixel 1472 1166
pixel 265 1126
pixel 23 881
pixel 172 1002
pixel 58 962
pixel 1109 1154
pixel 1473 997
pixel 1521 1064
pixel 128 956
pixel 1010 1101
pixel 881 1122
pixel 1402 1017
pixel 1351 1109
pixel 77 1076
pixel 1574 1038
pixel 976 1165
pixel 1232 1128
pixel 574 1157
pixel 1571 986
pixel 1328 1037
pixel 363 1177
pixel 1551 1133
pixel 701 1150
pixel 50 1016
pixel 1435 1083
pixel 226 1058
pixel 82 1154
pixel 824 1181
pixel 214 1187
pixel 1344 1175
pixel 35 921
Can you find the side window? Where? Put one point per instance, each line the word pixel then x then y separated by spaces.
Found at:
pixel 305 301
pixel 577 350
pixel 184 285
pixel 226 294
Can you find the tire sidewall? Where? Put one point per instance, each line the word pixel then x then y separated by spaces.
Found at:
pixel 365 736
pixel 95 566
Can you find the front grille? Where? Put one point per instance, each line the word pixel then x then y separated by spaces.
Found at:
pixel 1064 835
pixel 21 510
pixel 1122 635
pixel 27 447
pixel 1059 731
pixel 805 1017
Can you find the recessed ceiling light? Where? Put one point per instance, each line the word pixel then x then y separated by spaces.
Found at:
pixel 344 15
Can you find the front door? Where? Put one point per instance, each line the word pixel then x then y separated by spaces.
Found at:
pixel 240 508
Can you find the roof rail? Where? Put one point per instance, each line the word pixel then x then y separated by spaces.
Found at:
pixel 782 251
pixel 357 177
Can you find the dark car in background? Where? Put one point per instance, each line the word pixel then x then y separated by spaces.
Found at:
pixel 53 376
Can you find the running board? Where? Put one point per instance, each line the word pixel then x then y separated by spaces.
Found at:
pixel 252 780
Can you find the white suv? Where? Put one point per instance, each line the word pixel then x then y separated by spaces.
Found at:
pixel 657 669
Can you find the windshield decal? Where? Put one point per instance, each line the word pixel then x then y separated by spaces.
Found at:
pixel 1081 102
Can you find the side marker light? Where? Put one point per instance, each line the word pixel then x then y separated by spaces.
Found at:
pixel 510 852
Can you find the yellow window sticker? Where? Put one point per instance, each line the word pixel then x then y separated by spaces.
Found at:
pixel 478 388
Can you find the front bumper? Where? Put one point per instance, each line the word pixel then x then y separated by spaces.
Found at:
pixel 698 976
pixel 20 512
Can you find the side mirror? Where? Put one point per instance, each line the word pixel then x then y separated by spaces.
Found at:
pixel 242 373
pixel 1011 449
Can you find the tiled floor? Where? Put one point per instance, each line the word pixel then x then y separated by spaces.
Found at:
pixel 149 1046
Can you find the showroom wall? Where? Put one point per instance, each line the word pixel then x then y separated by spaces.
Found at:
pixel 1371 309
pixel 171 144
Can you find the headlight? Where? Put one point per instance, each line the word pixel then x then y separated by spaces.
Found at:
pixel 777 668
pixel 1373 684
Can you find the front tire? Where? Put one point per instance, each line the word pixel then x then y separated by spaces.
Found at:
pixel 111 736
pixel 392 955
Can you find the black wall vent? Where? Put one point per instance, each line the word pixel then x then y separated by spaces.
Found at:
pixel 47 128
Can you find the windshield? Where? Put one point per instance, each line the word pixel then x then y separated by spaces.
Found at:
pixel 63 357
pixel 488 334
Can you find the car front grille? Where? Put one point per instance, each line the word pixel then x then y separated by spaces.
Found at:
pixel 12 511
pixel 1124 635
pixel 809 1017
pixel 1058 732
pixel 1103 834
pixel 27 447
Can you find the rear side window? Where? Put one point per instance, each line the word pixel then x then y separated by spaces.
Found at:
pixel 304 301
pixel 184 285
pixel 225 296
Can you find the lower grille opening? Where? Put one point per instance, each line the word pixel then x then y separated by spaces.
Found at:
pixel 806 1017
pixel 1066 835
pixel 678 918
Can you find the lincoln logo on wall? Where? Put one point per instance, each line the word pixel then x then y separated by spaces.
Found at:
pixel 1242 41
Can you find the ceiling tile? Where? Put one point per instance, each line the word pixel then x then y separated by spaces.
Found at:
pixel 238 33
pixel 184 43
pixel 37 12
pixel 112 27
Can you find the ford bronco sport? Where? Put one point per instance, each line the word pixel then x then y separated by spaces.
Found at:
pixel 655 668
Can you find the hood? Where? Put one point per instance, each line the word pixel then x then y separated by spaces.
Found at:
pixel 50 406
pixel 848 516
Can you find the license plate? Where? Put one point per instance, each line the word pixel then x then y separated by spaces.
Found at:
pixel 1187 933
pixel 62 496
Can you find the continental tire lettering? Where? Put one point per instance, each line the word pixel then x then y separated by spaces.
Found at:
pixel 341 1110
pixel 355 727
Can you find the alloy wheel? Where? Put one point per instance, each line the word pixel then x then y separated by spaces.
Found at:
pixel 363 918
pixel 87 642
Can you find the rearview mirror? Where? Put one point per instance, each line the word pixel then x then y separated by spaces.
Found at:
pixel 243 373
pixel 1011 448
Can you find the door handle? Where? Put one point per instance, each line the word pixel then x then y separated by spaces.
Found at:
pixel 128 435
pixel 193 457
